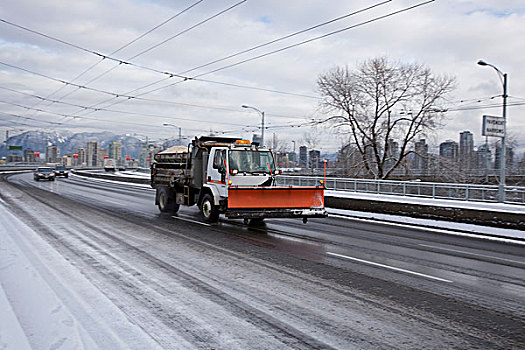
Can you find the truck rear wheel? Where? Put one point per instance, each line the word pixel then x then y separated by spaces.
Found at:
pixel 208 209
pixel 166 202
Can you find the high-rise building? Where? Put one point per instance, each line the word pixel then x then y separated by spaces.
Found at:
pixel 420 159
pixel 82 156
pixel 466 150
pixel 314 159
pixel 449 150
pixel 52 154
pixel 115 152
pixel 483 157
pixel 102 154
pixel 92 154
pixel 303 156
pixel 292 158
pixel 392 155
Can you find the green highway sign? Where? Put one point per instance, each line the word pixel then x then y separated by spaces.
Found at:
pixel 15 148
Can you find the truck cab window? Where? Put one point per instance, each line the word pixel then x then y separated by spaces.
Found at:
pixel 218 159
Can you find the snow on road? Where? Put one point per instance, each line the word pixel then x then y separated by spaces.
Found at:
pixel 46 303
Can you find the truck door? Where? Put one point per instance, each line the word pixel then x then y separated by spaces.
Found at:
pixel 217 171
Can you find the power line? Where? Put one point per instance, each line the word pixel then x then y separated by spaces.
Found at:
pixel 285 48
pixel 29 118
pixel 126 62
pixel 185 78
pixel 127 45
pixel 120 62
pixel 115 95
pixel 190 28
pixel 286 37
pixel 170 118
pixel 196 77
pixel 92 108
pixel 114 111
pixel 494 105
pixel 316 38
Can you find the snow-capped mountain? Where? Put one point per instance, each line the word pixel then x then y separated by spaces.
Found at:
pixel 70 142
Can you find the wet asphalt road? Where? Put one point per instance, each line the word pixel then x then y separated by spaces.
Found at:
pixel 477 284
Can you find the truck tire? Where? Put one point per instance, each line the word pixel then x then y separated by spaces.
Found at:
pixel 166 202
pixel 208 209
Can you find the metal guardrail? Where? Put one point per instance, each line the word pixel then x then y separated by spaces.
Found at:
pixel 465 192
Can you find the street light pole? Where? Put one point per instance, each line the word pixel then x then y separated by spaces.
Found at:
pixel 501 188
pixel 262 121
pixel 294 155
pixel 175 126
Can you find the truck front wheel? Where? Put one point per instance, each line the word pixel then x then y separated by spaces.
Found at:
pixel 166 202
pixel 208 209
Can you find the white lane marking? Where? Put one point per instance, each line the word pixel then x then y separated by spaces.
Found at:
pixel 474 254
pixel 389 267
pixel 190 220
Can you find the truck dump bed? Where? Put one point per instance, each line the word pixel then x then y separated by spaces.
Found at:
pixel 169 165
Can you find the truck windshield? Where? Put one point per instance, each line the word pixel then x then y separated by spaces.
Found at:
pixel 250 161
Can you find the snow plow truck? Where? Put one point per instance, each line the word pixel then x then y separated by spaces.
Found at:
pixel 229 176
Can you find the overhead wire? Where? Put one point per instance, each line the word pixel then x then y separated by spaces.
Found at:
pixel 185 78
pixel 285 37
pixel 29 118
pixel 114 111
pixel 196 77
pixel 115 95
pixel 129 44
pixel 137 98
pixel 170 118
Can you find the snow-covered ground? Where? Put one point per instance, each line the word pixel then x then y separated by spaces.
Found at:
pixel 44 299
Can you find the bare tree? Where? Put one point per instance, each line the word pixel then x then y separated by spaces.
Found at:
pixel 279 145
pixel 311 138
pixel 383 101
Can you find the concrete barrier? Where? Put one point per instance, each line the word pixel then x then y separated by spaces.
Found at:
pixel 109 176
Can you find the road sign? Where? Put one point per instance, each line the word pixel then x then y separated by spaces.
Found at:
pixel 493 126
pixel 15 148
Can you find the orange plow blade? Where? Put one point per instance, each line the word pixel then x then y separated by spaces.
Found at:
pixel 276 202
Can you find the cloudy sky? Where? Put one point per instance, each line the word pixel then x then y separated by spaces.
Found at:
pixel 101 65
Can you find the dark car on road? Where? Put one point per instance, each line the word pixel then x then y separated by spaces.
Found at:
pixel 44 173
pixel 61 170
